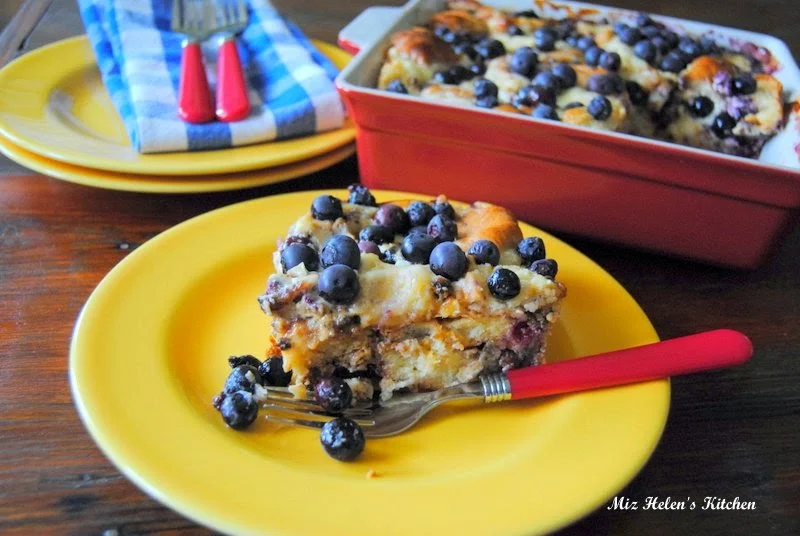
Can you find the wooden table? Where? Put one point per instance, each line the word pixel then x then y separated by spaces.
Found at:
pixel 733 433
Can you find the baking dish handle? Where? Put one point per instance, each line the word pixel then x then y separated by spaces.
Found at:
pixel 365 29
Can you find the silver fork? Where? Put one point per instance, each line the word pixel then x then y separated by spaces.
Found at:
pixel 194 19
pixel 694 353
pixel 233 103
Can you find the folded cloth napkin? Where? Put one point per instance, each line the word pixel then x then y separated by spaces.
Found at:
pixel 290 82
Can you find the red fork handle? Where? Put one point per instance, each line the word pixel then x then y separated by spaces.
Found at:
pixel 703 351
pixel 233 103
pixel 194 95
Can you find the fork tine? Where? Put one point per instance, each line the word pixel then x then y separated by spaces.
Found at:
pixel 357 416
pixel 297 422
pixel 177 15
pixel 242 11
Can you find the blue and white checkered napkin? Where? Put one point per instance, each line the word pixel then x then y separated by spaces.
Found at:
pixel 290 82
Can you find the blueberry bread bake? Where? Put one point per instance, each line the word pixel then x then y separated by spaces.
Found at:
pixel 408 296
pixel 637 76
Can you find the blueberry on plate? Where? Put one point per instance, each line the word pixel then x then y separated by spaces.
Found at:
pixel 592 56
pixel 673 62
pixel 366 246
pixel 393 217
pixel 333 394
pixel 294 254
pixel 485 252
pixel 443 229
pixel 416 248
pixel 661 44
pixel 585 42
pixel 504 284
pixel 447 260
pixel 628 34
pixel 636 93
pixel 239 409
pixel 485 88
pixel 723 125
pixel 610 61
pixel 459 73
pixel 236 360
pixel 466 49
pixel 545 38
pixel 743 84
pixel 600 108
pixel 376 233
pixel 701 106
pixel 272 372
pixel 545 267
pixel 531 249
pixel 487 102
pixel 340 249
pixel 445 209
pixel 478 69
pixel 396 86
pixel 524 61
pixel 512 30
pixel 419 213
pixel 326 208
pixel 360 195
pixel 566 75
pixel 646 50
pixel 242 378
pixel 545 111
pixel 490 48
pixel 547 79
pixel 343 439
pixel 606 84
pixel 444 77
pixel 338 284
pixel 533 95
pixel 690 47
pixel 418 229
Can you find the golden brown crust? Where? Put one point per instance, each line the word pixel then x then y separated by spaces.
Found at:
pixel 485 221
pixel 421 45
pixel 705 67
pixel 460 21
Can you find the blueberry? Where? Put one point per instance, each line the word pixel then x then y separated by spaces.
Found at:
pixel 297 253
pixel 514 30
pixel 445 209
pixel 723 125
pixel 547 79
pixel 585 42
pixel 566 75
pixel 743 84
pixel 419 213
pixel 643 19
pixel 333 394
pixel 418 229
pixel 340 249
pixel 416 248
pixel 242 378
pixel 326 207
pixel 637 95
pixel 628 35
pixel 485 88
pixel 708 45
pixel 545 111
pixel 572 40
pixel 592 56
pixel 377 234
pixel 442 32
pixel 545 39
pixel 533 95
pixel 690 47
pixel 478 69
pixel 606 84
pixel 650 31
pixel 490 48
pixel 485 252
pixel 367 246
pixel 396 86
pixel 447 260
pixel 524 61
pixel 671 38
pixel 545 267
pixel 610 61
pixel 466 49
pixel 504 284
pixel 444 77
pixel 487 102
pixel 600 108
pixel 459 73
pixel 236 360
pixel 645 50
pixel 660 43
pixel 526 14
pixel 392 217
pixel 272 372
pixel 389 255
pixel 531 249
pixel 342 439
pixel 701 106
pixel 360 195
pixel 338 284
pixel 673 62
pixel 239 409
pixel 443 229
pixel 564 28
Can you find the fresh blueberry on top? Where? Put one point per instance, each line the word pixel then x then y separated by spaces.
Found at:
pixel 343 439
pixel 545 111
pixel 447 260
pixel 272 372
pixel 723 125
pixel 660 43
pixel 610 61
pixel 690 47
pixel 592 56
pixel 376 233
pixel 643 19
pixel 459 73
pixel 418 229
pixel 367 246
pixel 389 255
pixel 419 213
pixel 701 106
pixel 564 28
pixel 585 42
pixel 645 50
pixel 628 35
pixel 650 31
pixel 504 284
pixel 443 229
pixel 340 249
pixel 236 360
pixel 671 38
pixel 416 248
pixel 566 75
pixel 444 77
pixel 606 84
pixel 531 249
pixel 326 207
pixel 743 84
pixel 294 254
pixel 545 267
pixel 524 61
pixel 338 284
pixel 360 195
pixel 239 409
pixel 545 39
pixel 393 217
pixel 490 48
pixel 514 30
pixel 242 378
pixel 533 95
pixel 572 40
pixel 708 45
pixel 485 252
pixel 333 394
pixel 467 50
pixel 441 31
pixel 396 86
pixel 547 79
pixel 600 108
pixel 445 209
pixel 485 88
pixel 526 14
pixel 489 101
pixel 478 69
pixel 673 62
pixel 637 95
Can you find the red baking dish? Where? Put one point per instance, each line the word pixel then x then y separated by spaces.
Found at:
pixel 649 194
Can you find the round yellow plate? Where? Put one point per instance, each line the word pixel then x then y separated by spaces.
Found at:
pixel 168 184
pixel 53 103
pixel 149 351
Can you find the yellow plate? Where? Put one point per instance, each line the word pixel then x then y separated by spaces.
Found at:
pixel 167 184
pixel 53 103
pixel 149 351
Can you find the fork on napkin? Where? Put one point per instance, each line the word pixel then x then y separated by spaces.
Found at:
pixel 290 82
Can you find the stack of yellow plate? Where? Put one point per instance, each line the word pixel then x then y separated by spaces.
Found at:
pixel 57 118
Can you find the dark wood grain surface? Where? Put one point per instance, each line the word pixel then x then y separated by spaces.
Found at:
pixel 733 433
